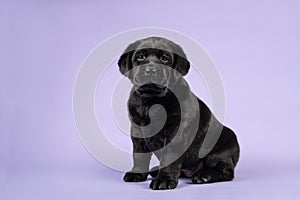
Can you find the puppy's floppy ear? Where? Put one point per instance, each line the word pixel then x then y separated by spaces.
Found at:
pixel 125 63
pixel 181 64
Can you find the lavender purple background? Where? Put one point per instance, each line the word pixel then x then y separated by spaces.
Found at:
pixel 255 45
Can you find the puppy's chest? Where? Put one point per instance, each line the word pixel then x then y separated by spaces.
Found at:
pixel 155 113
pixel 158 124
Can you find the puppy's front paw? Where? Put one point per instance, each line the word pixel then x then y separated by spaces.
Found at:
pixel 135 177
pixel 163 184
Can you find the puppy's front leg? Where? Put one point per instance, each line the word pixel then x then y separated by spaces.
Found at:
pixel 167 177
pixel 141 161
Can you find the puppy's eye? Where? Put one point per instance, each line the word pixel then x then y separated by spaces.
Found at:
pixel 140 57
pixel 165 58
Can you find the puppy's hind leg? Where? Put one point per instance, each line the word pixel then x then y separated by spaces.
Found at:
pixel 219 164
pixel 154 171
pixel 221 172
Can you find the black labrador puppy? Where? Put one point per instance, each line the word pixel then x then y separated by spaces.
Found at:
pixel 176 133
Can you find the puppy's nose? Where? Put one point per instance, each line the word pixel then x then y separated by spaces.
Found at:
pixel 151 70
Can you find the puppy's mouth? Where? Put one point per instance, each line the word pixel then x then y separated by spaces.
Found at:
pixel 151 89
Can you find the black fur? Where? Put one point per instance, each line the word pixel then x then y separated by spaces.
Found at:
pixel 218 165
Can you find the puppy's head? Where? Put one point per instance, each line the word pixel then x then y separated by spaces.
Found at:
pixel 153 64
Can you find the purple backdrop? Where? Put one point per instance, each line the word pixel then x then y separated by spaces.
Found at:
pixel 255 45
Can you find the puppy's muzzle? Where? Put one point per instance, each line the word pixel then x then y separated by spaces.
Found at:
pixel 151 70
pixel 151 79
pixel 150 73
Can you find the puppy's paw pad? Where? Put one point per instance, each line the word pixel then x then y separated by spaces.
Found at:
pixel 135 177
pixel 201 179
pixel 163 184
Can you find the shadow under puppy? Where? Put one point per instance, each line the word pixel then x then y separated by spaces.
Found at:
pixel 174 134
